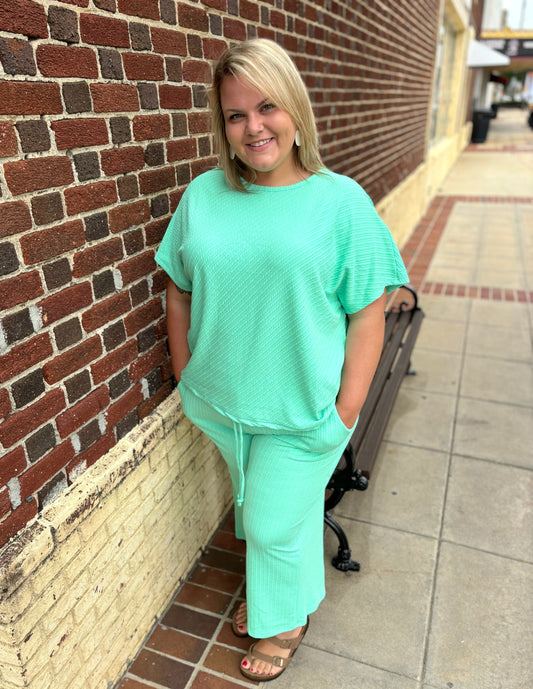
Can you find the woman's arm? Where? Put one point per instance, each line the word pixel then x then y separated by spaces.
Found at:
pixel 178 324
pixel 364 341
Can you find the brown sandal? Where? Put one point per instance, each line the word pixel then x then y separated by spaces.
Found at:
pixel 276 661
pixel 235 625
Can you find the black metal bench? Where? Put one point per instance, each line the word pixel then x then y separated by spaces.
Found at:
pixel 354 469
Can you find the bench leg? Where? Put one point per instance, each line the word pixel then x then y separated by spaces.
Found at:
pixel 342 561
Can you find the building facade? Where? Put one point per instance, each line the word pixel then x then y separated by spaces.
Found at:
pixel 107 494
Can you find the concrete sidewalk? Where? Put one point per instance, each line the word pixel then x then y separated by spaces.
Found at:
pixel 444 534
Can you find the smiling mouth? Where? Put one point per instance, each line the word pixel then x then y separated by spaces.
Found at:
pixel 258 144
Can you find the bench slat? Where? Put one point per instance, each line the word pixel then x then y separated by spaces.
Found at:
pixel 368 448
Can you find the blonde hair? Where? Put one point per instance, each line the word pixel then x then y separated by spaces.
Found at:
pixel 268 68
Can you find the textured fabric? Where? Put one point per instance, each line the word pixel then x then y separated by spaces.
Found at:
pixel 273 273
pixel 282 515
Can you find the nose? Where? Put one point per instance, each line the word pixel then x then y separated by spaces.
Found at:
pixel 254 124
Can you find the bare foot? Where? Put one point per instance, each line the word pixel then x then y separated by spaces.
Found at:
pixel 240 619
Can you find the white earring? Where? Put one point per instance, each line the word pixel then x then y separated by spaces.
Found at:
pixel 231 153
pixel 297 139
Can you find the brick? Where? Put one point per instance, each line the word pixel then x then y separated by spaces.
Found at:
pixel 57 273
pixel 34 136
pixel 117 411
pixel 174 69
pixel 148 96
pixel 101 30
pixel 90 196
pixel 128 188
pixel 96 257
pixel 54 307
pixel 168 11
pixel 77 97
pixel 17 326
pixel 199 96
pixel 110 63
pixel 17 57
pixel 8 143
pixel 37 475
pixel 19 424
pixel 143 66
pixel 40 442
pixel 147 127
pixel 23 176
pixel 9 261
pixel 12 464
pixel 47 208
pixel 159 206
pixel 133 241
pixel 199 122
pixel 96 227
pixel 197 71
pixel 175 97
pixel 114 335
pixel 113 362
pixel 154 231
pixel 87 409
pixel 106 311
pixel 119 161
pixel 139 293
pixel 169 41
pixel 103 284
pixel 181 150
pixel 192 17
pixel 87 165
pixel 194 46
pixel 45 244
pixel 92 455
pixel 155 180
pixel 67 61
pixel 143 316
pixel 140 36
pixel 68 333
pixel 120 129
pixel 154 154
pixel 14 218
pixel 129 215
pixel 119 384
pixel 144 364
pixel 78 386
pixel 72 360
pixel 24 17
pixel 148 9
pixel 79 132
pixel 213 48
pixel 234 29
pixel 63 24
pixel 19 289
pixel 5 403
pixel 17 520
pixel 137 267
pixel 27 389
pixel 29 98
pixel 114 97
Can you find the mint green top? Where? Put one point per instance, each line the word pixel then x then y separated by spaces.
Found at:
pixel 273 274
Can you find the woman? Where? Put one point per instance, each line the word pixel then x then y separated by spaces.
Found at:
pixel 278 271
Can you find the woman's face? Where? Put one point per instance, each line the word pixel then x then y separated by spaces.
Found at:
pixel 260 133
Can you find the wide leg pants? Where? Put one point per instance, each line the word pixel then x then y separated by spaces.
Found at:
pixel 280 478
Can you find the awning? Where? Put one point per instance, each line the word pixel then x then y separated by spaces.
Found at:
pixel 480 55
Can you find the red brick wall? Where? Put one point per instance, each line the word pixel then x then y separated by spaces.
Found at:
pixel 103 122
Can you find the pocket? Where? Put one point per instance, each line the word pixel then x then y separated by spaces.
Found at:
pixel 346 428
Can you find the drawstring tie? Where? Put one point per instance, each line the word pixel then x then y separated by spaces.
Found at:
pixel 239 453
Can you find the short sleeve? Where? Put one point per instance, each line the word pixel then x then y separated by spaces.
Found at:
pixel 369 261
pixel 170 253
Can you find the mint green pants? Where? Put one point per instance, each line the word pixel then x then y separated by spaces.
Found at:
pixel 278 482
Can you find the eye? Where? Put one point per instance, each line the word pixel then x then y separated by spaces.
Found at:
pixel 268 106
pixel 234 117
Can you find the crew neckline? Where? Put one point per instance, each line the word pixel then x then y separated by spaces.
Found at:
pixel 285 187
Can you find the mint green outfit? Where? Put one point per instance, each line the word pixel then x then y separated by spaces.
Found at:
pixel 273 273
